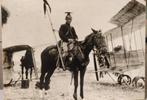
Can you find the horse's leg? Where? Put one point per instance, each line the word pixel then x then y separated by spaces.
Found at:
pixel 31 73
pixel 26 73
pixel 41 80
pixel 22 71
pixel 75 73
pixel 48 76
pixel 82 73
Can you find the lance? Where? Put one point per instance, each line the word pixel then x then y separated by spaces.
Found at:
pixel 50 21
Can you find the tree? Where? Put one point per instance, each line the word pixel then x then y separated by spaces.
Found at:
pixel 5 15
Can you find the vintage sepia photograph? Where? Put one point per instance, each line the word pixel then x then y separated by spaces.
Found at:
pixel 73 50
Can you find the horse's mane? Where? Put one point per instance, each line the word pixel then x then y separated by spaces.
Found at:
pixel 87 39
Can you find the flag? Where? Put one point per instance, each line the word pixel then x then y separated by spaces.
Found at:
pixel 45 5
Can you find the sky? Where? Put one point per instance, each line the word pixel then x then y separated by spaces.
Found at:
pixel 27 23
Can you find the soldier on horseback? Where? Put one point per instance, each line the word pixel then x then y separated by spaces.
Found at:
pixel 68 37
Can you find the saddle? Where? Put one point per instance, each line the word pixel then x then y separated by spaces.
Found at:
pixel 67 55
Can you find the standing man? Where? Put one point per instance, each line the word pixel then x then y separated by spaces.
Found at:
pixel 67 34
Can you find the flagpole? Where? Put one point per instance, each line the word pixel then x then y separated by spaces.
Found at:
pixel 56 40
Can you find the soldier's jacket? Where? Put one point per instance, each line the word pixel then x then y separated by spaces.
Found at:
pixel 67 32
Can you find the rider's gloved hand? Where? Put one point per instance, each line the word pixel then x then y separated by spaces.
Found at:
pixel 71 40
pixel 76 39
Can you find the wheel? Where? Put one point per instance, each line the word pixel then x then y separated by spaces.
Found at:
pixel 138 82
pixel 119 78
pixel 124 79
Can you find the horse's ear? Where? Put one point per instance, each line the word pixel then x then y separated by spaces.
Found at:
pixel 94 31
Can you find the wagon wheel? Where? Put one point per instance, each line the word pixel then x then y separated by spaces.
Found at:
pixel 124 79
pixel 138 82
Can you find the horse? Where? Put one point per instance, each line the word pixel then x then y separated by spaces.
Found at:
pixel 49 58
pixel 27 63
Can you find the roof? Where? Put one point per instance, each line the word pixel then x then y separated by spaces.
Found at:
pixel 128 12
pixel 17 48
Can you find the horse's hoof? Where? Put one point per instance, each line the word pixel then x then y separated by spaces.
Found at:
pixel 46 87
pixel 75 97
pixel 38 85
pixel 82 97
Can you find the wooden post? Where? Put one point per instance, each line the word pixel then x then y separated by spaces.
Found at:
pixel 1 72
pixel 146 66
pixel 95 67
pixel 112 49
pixel 136 46
pixel 130 38
pixel 141 43
pixel 125 55
pixel 107 42
pixel 108 47
pixel 146 62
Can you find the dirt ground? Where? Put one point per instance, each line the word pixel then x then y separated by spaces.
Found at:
pixel 61 89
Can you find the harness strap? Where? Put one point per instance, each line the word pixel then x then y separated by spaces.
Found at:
pixel 81 52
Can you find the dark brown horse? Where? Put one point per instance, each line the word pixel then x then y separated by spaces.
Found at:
pixel 49 58
pixel 27 63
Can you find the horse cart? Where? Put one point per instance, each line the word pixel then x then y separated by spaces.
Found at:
pixel 8 63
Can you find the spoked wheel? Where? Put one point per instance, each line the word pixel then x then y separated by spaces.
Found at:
pixel 138 82
pixel 124 79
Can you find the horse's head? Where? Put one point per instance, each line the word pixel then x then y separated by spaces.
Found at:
pixel 98 41
pixel 94 40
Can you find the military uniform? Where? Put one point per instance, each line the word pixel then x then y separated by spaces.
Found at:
pixel 68 36
pixel 67 32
